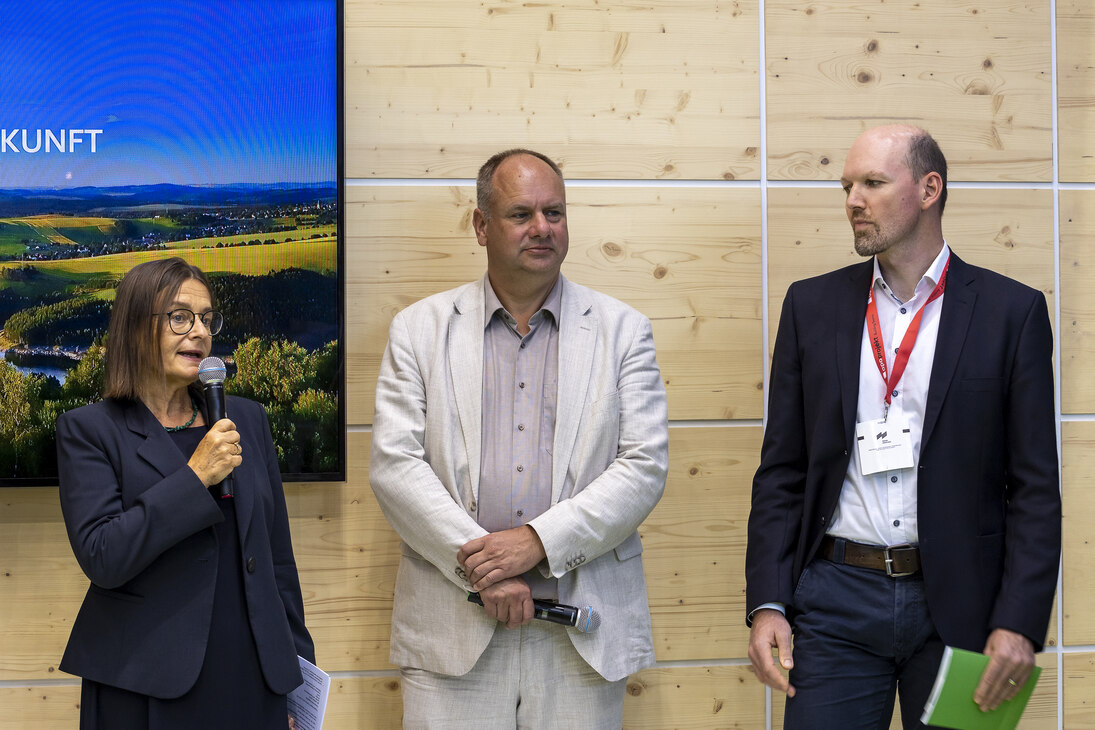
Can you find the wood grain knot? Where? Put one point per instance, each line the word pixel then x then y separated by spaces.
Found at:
pixel 872 46
pixel 634 689
pixel 660 271
pixel 611 250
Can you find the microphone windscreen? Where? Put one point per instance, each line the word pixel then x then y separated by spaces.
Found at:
pixel 211 370
pixel 588 620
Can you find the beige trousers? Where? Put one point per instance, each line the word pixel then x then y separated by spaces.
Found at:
pixel 527 678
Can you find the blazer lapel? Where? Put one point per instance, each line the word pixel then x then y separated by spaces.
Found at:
pixel 156 447
pixel 577 348
pixel 852 311
pixel 465 356
pixel 954 321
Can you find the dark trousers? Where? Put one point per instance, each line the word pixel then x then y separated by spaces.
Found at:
pixel 860 638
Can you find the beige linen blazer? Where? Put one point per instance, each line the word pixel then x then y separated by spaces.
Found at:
pixel 609 467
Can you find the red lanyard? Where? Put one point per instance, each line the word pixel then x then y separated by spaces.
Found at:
pixel 901 359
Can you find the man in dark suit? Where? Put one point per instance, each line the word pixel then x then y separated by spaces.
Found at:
pixel 907 496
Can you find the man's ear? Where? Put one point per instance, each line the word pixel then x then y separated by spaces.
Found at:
pixel 931 187
pixel 479 223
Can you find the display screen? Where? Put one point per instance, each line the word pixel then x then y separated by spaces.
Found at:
pixel 132 131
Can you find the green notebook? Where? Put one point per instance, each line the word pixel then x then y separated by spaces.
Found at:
pixel 951 702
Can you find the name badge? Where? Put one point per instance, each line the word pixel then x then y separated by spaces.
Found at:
pixel 884 445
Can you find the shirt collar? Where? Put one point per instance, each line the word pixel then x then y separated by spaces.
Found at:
pixel 927 282
pixel 491 303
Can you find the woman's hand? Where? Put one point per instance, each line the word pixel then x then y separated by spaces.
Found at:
pixel 218 453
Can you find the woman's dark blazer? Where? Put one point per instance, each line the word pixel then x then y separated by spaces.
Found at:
pixel 141 525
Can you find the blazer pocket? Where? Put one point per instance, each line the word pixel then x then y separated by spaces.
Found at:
pixel 116 594
pixel 607 401
pixel 629 548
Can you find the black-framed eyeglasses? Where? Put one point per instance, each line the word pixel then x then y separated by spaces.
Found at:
pixel 181 321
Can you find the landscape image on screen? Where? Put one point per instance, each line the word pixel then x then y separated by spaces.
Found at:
pixel 132 131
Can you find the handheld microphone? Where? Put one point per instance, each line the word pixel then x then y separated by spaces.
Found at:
pixel 584 619
pixel 212 372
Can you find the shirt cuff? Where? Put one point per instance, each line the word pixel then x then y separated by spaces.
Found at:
pixel 774 605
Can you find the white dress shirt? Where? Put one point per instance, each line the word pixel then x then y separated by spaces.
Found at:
pixel 880 508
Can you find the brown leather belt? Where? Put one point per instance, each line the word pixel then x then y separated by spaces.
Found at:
pixel 894 561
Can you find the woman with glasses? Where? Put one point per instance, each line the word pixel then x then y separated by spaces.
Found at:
pixel 194 616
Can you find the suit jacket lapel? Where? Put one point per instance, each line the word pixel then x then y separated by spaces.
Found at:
pixel 577 348
pixel 954 321
pixel 465 356
pixel 156 447
pixel 852 311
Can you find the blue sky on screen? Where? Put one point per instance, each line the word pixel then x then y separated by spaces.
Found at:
pixel 193 92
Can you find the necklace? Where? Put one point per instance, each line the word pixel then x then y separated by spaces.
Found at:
pixel 188 424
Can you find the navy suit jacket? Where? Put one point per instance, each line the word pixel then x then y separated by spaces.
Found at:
pixel 988 498
pixel 140 523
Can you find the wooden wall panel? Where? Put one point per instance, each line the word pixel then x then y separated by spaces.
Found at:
pixel 49 707
pixel 694 544
pixel 346 558
pixel 687 258
pixel 1076 90
pixel 977 75
pixel 658 89
pixel 1041 712
pixel 1008 231
pixel 1077 230
pixel 1079 690
pixel 1078 569
pixel 355 703
pixel 694 698
pixel 41 585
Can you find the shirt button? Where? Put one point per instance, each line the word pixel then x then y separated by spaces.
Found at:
pixel 894 393
pixel 251 565
pixel 471 505
pixel 520 513
pixel 903 310
pixel 897 523
pixel 893 479
pixel 520 427
pixel 522 345
pixel 520 468
pixel 520 385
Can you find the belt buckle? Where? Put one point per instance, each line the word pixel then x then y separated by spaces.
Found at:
pixel 889 561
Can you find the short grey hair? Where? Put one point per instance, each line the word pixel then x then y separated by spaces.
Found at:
pixel 484 182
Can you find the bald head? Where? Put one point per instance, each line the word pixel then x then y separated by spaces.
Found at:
pixel 918 150
pixel 484 183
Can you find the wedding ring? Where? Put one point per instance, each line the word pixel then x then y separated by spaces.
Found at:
pixel 1012 682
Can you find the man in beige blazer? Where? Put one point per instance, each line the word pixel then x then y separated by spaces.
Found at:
pixel 519 479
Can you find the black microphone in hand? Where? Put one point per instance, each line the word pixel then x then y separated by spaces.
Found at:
pixel 212 372
pixel 584 619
